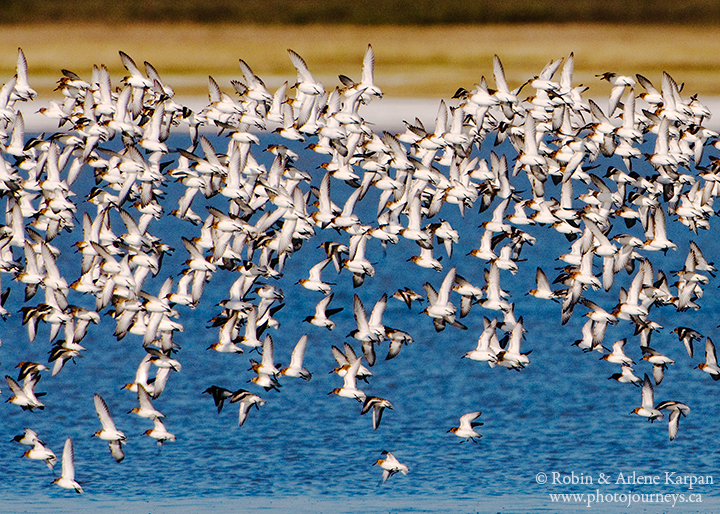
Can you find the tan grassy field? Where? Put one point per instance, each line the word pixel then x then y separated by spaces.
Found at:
pixel 410 61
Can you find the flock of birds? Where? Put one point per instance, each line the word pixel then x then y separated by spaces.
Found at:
pixel 261 216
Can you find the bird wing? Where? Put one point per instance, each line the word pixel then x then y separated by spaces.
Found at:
pixel 550 69
pixel 567 72
pixel 647 393
pixel 542 281
pixel 322 306
pixel 350 378
pixel 467 419
pixel 368 69
pixel 116 450
pixel 674 424
pixel 493 282
pixel 378 311
pixel 130 64
pixel 350 353
pixel 301 67
pixel 360 314
pixel 339 356
pixel 21 68
pixel 498 214
pixel 267 354
pixel 243 412
pixel 144 398
pixel 377 415
pixel 315 270
pixel 298 353
pixel 513 346
pixel 444 293
pixel 103 413
pixel 499 74
pixel 710 355
pixel 68 460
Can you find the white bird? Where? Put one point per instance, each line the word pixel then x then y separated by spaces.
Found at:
pixel 439 308
pixel 142 376
pixel 378 405
pixel 511 357
pixel 159 432
pixel 322 313
pixel 542 291
pixel 346 359
pixel 466 430
pixel 296 368
pixel 483 350
pixel 250 337
pixel 494 300
pixel 626 376
pixel 29 437
pixel 497 222
pixel 306 84
pixel 370 331
pixel 314 281
pixel 390 465
pixel 266 366
pixel 136 78
pixel 356 261
pixel 24 397
pixel 349 388
pixel 688 337
pixel 659 361
pixel 617 356
pixel 543 81
pixel 530 156
pixel 485 252
pixel 67 478
pixel 228 335
pixel 676 409
pixel 145 408
pixel 256 87
pixel 22 90
pixel 413 230
pixel 367 85
pixel 503 94
pixel 652 96
pixel 632 305
pixel 426 259
pixel 247 400
pixel 41 452
pixel 109 433
pixel 619 82
pixel 152 137
pixel 468 292
pixel 710 365
pixel 647 409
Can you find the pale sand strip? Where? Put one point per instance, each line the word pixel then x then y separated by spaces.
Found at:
pixel 386 114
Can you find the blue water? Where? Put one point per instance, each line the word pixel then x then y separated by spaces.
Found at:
pixel 308 451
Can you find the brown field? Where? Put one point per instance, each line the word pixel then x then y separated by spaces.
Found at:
pixel 410 61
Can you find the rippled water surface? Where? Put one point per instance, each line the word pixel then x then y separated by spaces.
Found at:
pixel 308 451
